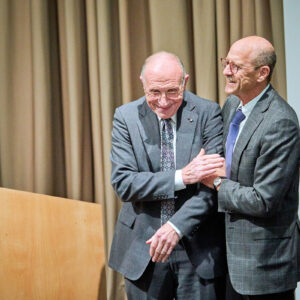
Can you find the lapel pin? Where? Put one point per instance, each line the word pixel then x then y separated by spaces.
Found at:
pixel 190 119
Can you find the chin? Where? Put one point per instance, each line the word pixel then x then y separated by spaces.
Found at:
pixel 164 115
pixel 230 90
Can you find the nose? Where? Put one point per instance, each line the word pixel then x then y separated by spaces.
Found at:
pixel 163 100
pixel 227 70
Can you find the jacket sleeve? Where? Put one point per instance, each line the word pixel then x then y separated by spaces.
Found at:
pixel 203 203
pixel 129 182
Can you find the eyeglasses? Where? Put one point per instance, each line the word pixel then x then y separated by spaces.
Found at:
pixel 234 68
pixel 172 94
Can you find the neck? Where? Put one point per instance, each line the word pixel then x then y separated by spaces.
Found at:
pixel 253 94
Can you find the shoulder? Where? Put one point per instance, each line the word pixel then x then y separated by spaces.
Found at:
pixel 279 108
pixel 231 102
pixel 131 109
pixel 200 103
pixel 133 105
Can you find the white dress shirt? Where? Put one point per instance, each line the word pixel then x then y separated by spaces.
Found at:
pixel 179 185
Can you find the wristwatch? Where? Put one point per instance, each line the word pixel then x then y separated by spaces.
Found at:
pixel 217 182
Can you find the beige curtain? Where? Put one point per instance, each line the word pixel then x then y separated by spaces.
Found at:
pixel 66 64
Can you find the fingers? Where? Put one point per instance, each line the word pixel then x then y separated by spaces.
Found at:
pixel 207 173
pixel 207 156
pixel 158 251
pixel 168 252
pixel 153 246
pixel 162 243
pixel 212 165
pixel 206 160
pixel 208 182
pixel 201 153
pixel 163 255
pixel 164 250
pixel 149 241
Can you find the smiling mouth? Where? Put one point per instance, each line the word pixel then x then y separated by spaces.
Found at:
pixel 163 108
pixel 230 80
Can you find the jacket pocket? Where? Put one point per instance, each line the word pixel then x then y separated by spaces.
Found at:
pixel 126 218
pixel 275 232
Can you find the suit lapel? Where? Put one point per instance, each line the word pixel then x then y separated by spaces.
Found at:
pixel 150 134
pixel 149 130
pixel 186 125
pixel 253 121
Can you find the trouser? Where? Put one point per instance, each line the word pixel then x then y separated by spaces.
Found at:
pixel 174 279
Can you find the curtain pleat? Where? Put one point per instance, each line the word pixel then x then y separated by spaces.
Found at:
pixel 75 99
pixel 170 25
pixel 205 49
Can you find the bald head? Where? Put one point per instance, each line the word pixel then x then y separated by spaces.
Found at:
pixel 259 51
pixel 248 67
pixel 162 62
pixel 254 44
pixel 164 81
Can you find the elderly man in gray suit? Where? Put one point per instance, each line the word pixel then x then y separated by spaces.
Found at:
pixel 169 240
pixel 258 188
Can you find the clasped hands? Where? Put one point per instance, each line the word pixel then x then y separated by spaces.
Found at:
pixel 203 168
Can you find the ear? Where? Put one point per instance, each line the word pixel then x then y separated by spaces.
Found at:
pixel 186 78
pixel 264 72
pixel 141 79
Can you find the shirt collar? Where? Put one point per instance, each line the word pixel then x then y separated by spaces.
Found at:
pixel 247 109
pixel 173 118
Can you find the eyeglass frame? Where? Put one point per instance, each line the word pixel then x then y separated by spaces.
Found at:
pixel 230 63
pixel 158 97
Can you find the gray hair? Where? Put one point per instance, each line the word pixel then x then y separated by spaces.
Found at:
pixel 167 53
pixel 266 58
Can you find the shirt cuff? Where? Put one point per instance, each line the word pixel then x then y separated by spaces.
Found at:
pixel 179 185
pixel 176 229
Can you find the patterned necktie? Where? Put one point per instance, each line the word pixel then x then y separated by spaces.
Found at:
pixel 231 138
pixel 167 163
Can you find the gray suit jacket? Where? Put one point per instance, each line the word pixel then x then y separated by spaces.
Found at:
pixel 261 198
pixel 139 183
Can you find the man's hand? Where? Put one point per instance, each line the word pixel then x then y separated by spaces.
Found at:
pixel 201 166
pixel 209 181
pixel 162 243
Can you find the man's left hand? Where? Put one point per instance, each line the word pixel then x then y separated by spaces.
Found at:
pixel 209 181
pixel 162 243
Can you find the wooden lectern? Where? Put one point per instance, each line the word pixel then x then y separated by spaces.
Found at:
pixel 50 248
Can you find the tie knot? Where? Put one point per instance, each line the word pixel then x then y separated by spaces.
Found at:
pixel 238 117
pixel 166 121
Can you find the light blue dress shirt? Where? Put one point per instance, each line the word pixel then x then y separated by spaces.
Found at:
pixel 247 109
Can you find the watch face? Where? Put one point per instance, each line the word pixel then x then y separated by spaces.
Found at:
pixel 217 181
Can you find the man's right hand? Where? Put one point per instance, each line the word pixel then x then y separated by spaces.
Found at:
pixel 201 166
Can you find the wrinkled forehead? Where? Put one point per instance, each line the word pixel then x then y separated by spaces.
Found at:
pixel 163 72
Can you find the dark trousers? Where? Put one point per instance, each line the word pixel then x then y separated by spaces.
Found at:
pixel 174 279
pixel 231 294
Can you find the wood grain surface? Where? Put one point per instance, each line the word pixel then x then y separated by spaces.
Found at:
pixel 50 248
